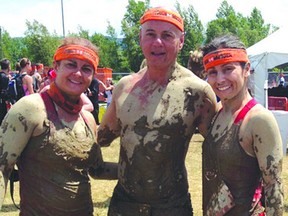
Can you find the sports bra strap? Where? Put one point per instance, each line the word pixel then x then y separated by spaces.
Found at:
pixel 245 110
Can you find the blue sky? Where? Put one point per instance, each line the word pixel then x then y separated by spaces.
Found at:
pixel 93 15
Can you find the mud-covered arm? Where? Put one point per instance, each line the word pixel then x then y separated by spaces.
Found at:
pixel 15 131
pixel 208 110
pixel 267 145
pixel 108 171
pixel 100 169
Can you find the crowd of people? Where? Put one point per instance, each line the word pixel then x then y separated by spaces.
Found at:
pixel 56 142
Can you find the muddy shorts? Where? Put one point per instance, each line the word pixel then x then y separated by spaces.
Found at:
pixel 122 206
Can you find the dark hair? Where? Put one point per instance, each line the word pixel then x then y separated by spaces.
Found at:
pixel 110 80
pixel 17 66
pixel 195 63
pixel 224 41
pixel 5 63
pixel 23 62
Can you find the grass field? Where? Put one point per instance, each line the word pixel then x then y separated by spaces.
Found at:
pixel 102 189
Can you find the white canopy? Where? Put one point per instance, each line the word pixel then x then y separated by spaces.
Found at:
pixel 267 54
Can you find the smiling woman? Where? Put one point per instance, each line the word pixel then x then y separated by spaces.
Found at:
pixel 242 154
pixel 55 139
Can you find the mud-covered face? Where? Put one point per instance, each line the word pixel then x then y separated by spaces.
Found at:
pixel 73 76
pixel 160 42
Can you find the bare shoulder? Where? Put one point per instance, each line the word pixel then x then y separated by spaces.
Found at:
pixel 27 77
pixel 261 121
pixel 127 81
pixel 28 113
pixel 31 101
pixel 30 107
pixel 188 77
pixel 197 85
pixel 260 114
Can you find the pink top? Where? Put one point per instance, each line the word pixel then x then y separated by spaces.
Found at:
pixel 25 88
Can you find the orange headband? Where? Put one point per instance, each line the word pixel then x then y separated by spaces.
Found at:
pixel 162 14
pixel 223 56
pixel 77 51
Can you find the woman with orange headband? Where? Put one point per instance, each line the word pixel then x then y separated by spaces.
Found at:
pixel 53 140
pixel 242 154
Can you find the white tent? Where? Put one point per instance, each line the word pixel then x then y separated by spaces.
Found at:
pixel 266 54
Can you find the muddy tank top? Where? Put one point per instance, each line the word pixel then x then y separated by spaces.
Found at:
pixel 231 163
pixel 53 170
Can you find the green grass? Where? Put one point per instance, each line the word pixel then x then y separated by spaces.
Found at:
pixel 102 189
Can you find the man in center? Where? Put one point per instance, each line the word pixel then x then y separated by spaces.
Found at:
pixel 155 112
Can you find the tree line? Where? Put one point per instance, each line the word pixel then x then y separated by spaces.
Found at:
pixel 124 54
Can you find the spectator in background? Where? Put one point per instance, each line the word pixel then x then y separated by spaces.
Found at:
pixel 37 79
pixel 93 94
pixel 46 69
pixel 17 68
pixel 4 81
pixel 155 112
pixel 40 68
pixel 26 68
pixel 51 75
pixel 282 82
pixel 108 90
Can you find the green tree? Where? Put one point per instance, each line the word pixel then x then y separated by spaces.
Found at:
pixel 12 48
pixel 226 22
pixel 115 51
pixel 225 10
pixel 5 44
pixel 130 29
pixel 40 44
pixel 17 50
pixel 102 42
pixel 257 28
pixel 249 29
pixel 81 33
pixel 194 32
pixel 109 47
